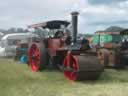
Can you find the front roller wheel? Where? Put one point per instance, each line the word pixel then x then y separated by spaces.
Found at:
pixel 37 57
pixel 82 67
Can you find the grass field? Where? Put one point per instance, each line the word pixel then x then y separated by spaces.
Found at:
pixel 18 80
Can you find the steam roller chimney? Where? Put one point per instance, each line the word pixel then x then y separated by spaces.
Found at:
pixel 74 25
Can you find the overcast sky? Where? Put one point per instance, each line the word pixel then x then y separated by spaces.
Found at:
pixel 94 14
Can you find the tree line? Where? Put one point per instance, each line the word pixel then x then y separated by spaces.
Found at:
pixel 14 30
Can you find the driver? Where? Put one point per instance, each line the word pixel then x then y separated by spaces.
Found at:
pixel 124 44
pixel 59 34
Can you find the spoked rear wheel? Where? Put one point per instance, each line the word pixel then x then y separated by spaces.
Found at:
pixel 37 56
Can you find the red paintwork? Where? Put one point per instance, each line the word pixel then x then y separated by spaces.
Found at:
pixel 34 57
pixel 72 62
pixel 56 47
pixel 54 44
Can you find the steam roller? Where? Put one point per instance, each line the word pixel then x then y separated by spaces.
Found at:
pixel 112 48
pixel 82 67
pixel 63 51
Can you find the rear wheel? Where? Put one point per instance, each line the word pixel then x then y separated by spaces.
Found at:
pixel 37 56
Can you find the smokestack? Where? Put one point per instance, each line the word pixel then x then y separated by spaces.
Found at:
pixel 74 25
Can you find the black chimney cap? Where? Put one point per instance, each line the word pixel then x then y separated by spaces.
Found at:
pixel 75 13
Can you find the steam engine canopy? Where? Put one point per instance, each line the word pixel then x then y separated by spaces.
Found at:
pixel 55 24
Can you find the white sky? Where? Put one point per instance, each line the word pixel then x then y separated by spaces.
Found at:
pixel 94 14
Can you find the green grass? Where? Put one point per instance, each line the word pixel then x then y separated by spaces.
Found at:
pixel 18 80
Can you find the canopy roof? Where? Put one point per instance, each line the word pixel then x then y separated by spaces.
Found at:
pixel 124 32
pixel 55 24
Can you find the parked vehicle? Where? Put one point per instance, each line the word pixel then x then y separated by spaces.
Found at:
pixel 9 43
pixel 112 48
